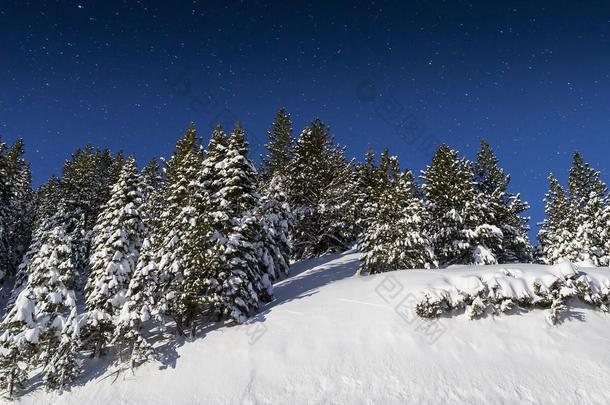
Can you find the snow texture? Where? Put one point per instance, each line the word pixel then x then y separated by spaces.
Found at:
pixel 334 337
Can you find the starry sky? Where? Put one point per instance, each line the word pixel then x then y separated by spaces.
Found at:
pixel 531 77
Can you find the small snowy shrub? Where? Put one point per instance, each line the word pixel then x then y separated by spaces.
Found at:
pixel 500 295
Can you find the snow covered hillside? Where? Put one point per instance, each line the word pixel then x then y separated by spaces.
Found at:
pixel 331 337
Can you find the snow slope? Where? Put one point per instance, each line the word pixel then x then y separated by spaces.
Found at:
pixel 335 338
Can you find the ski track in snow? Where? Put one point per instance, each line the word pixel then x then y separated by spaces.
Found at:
pixel 332 337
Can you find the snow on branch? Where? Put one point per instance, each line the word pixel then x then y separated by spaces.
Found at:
pixel 526 287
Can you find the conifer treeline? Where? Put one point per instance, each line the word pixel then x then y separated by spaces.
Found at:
pixel 106 257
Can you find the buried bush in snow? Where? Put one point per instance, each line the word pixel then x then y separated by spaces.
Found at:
pixel 504 289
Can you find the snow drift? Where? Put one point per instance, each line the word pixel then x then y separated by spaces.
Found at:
pixel 331 337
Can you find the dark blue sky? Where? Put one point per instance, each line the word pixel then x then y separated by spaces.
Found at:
pixel 531 77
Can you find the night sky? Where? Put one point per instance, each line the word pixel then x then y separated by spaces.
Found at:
pixel 531 77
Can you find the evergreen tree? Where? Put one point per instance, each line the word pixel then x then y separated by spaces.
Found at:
pixel 44 214
pixel 141 295
pixel 151 180
pixel 41 329
pixel 80 194
pixel 46 198
pixel 371 181
pixel 86 184
pixel 389 169
pixel 16 211
pixel 576 226
pixel 114 172
pixel 590 205
pixel 79 181
pixel 459 214
pixel 279 148
pixel 488 176
pixel 21 220
pixel 5 198
pixel 244 282
pixel 63 365
pixel 338 219
pixel 558 229
pixel 181 254
pixel 505 208
pixel 119 233
pixel 139 307
pixel 366 185
pixel 277 222
pixel 25 268
pixel 396 237
pixel 448 187
pixel 583 180
pixel 214 156
pixel 213 170
pixel 151 196
pixel 274 214
pixel 314 196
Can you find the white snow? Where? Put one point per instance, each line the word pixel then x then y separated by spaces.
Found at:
pixel 332 337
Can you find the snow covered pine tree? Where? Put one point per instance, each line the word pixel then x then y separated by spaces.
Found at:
pixel 16 213
pixel 42 329
pixel 577 222
pixel 505 208
pixel 244 280
pixel 118 237
pixel 316 180
pixel 459 213
pixel 180 239
pixel 396 237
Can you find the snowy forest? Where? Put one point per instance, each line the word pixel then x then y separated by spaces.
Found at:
pixel 107 257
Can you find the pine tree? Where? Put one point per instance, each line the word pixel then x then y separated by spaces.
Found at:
pixel 279 148
pixel 211 179
pixel 338 217
pixel 396 237
pixel 86 184
pixel 141 295
pixel 79 180
pixel 151 180
pixel 371 181
pixel 489 177
pixel 459 214
pixel 448 186
pixel 44 214
pixel 244 282
pixel 366 185
pixel 41 329
pixel 482 234
pixel 181 253
pixel 119 233
pixel 21 220
pixel 576 226
pixel 46 198
pixel 63 365
pixel 80 193
pixel 5 198
pixel 16 211
pixel 215 154
pixel 274 214
pixel 139 307
pixel 151 196
pixel 558 229
pixel 277 221
pixel 314 193
pixel 25 268
pixel 589 197
pixel 389 169
pixel 505 208
pixel 114 172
